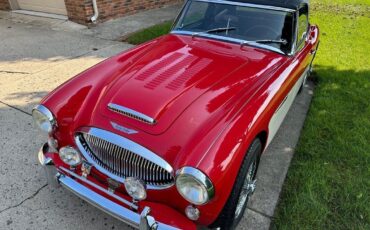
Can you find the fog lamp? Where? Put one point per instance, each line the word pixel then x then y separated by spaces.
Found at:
pixel 192 212
pixel 135 188
pixel 70 156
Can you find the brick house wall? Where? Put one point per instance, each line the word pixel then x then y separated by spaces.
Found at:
pixel 4 5
pixel 119 8
pixel 80 11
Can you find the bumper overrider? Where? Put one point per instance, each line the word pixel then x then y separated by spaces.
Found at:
pixel 70 180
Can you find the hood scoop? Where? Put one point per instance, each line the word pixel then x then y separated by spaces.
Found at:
pixel 131 113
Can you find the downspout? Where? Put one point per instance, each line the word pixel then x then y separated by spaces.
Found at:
pixel 94 18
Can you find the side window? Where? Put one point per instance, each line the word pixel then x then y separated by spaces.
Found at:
pixel 302 26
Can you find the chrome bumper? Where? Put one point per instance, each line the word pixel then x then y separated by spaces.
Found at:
pixel 141 221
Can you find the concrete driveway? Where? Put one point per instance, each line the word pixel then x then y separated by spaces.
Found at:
pixel 36 56
pixel 34 60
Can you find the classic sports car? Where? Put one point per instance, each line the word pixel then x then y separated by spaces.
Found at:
pixel 168 135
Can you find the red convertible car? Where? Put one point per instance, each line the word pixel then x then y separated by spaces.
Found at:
pixel 168 135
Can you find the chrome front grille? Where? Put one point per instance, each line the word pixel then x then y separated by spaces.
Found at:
pixel 124 158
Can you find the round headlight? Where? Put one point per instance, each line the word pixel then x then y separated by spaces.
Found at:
pixel 70 156
pixel 135 188
pixel 194 185
pixel 44 119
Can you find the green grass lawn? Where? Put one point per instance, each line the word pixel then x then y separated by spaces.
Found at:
pixel 328 183
pixel 149 33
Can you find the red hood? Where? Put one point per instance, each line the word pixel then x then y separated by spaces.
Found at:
pixel 170 75
pixel 190 86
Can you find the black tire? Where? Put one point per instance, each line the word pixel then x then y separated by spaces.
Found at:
pixel 228 218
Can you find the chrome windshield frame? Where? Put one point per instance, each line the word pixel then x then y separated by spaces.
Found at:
pixel 267 7
pixel 230 39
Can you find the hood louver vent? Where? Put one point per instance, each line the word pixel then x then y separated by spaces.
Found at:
pixel 131 113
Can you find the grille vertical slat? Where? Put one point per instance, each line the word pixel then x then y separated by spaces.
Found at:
pixel 133 165
pixel 139 168
pixel 123 162
pixel 126 162
pixel 145 172
pixel 152 173
pixel 120 160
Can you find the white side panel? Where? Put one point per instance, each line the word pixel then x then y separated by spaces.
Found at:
pixel 283 109
pixel 47 6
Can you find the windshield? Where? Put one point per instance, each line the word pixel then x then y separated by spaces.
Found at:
pixel 237 22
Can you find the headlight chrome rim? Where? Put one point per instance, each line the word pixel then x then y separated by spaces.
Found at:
pixel 200 178
pixel 42 110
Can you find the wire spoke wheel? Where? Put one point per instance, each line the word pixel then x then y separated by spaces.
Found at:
pixel 248 188
pixel 244 186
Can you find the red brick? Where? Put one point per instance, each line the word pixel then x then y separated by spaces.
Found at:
pixel 4 5
pixel 81 11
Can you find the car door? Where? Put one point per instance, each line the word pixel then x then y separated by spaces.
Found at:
pixel 297 70
pixel 305 49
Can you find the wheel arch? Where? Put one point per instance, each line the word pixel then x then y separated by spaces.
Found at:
pixel 263 136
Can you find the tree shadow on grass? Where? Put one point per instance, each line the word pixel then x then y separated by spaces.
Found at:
pixel 327 183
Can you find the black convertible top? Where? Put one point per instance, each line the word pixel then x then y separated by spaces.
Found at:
pixel 290 4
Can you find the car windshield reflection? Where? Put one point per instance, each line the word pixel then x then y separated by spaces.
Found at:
pixel 237 22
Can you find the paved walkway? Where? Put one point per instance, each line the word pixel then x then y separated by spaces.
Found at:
pixel 34 59
pixel 112 30
pixel 118 28
pixel 37 55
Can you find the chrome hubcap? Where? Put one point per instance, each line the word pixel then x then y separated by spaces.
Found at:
pixel 248 188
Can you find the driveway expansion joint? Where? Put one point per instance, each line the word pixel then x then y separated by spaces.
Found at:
pixel 261 213
pixel 13 72
pixel 13 107
pixel 28 198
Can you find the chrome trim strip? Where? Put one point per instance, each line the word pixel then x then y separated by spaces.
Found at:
pixel 126 144
pixel 281 104
pixel 233 40
pixel 128 203
pixel 129 217
pixel 44 110
pixel 267 7
pixel 200 177
pixel 131 113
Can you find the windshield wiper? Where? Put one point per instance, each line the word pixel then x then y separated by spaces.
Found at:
pixel 281 41
pixel 221 29
pixel 215 30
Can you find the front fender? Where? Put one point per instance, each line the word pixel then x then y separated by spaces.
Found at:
pixel 223 159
